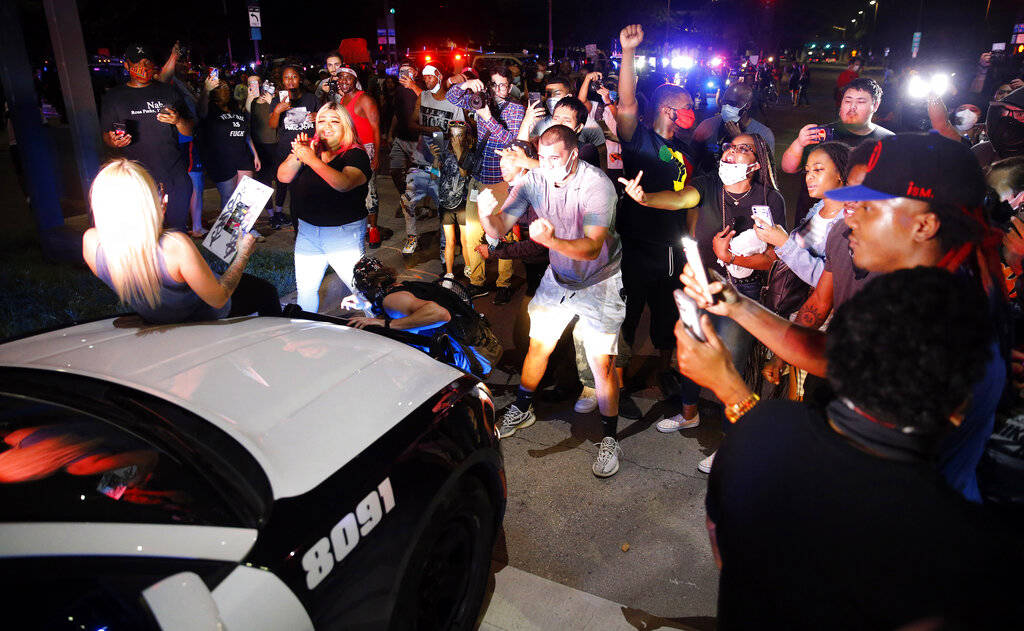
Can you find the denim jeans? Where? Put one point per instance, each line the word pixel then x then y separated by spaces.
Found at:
pixel 736 339
pixel 196 202
pixel 225 188
pixel 315 247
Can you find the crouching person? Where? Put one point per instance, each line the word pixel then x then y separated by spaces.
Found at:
pixel 428 309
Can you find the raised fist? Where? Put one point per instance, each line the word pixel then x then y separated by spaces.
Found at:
pixel 631 36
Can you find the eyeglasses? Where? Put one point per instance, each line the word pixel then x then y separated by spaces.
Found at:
pixel 1004 110
pixel 501 86
pixel 747 150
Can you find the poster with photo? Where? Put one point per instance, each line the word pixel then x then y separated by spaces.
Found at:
pixel 238 216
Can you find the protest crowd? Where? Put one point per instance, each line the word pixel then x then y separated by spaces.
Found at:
pixel 863 345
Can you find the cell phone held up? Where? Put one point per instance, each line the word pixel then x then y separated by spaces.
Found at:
pixel 120 128
pixel 697 266
pixel 825 134
pixel 215 74
pixel 689 314
pixel 762 215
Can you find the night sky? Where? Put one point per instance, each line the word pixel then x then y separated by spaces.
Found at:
pixel 312 27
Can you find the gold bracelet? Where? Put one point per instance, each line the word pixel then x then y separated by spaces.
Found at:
pixel 734 411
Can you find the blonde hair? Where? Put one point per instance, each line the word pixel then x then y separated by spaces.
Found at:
pixel 348 137
pixel 127 210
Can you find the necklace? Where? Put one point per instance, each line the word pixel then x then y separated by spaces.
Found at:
pixel 736 200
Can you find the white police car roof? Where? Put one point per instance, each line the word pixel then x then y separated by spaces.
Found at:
pixel 303 397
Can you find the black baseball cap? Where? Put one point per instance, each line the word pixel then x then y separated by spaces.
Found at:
pixel 137 53
pixel 926 167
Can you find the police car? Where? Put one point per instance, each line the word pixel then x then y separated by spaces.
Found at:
pixel 255 473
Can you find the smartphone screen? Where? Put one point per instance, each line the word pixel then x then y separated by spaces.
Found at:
pixel 689 314
pixel 283 96
pixel 214 73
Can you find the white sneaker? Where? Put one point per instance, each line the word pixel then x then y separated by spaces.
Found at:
pixel 515 419
pixel 587 402
pixel 676 423
pixel 465 271
pixel 704 466
pixel 410 244
pixel 607 462
pixel 448 281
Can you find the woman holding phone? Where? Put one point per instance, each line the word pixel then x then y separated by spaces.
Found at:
pixel 292 111
pixel 160 274
pixel 724 230
pixel 724 227
pixel 328 177
pixel 803 250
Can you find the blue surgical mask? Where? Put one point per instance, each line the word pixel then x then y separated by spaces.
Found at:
pixel 730 113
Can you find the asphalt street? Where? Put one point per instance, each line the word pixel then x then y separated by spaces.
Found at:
pixel 634 546
pixel 578 552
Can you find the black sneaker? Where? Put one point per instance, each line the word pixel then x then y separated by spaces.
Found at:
pixel 628 407
pixel 475 291
pixel 503 296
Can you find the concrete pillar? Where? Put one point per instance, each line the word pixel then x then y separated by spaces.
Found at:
pixel 38 155
pixel 76 85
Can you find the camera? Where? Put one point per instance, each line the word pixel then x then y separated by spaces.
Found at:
pixel 332 86
pixel 479 100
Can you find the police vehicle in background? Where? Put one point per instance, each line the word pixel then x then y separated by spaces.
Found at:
pixel 255 473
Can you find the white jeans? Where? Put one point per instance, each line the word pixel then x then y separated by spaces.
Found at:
pixel 315 247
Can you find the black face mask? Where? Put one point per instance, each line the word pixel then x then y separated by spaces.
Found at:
pixel 1005 132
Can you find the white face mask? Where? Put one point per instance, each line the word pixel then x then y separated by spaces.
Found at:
pixel 964 120
pixel 436 88
pixel 730 113
pixel 560 172
pixel 540 76
pixel 732 173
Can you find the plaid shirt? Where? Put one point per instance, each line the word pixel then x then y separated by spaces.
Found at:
pixel 502 136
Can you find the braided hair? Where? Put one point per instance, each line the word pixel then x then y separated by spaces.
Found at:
pixel 766 174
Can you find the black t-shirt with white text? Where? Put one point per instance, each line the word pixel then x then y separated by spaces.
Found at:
pixel 154 144
pixel 315 202
pixel 295 120
pixel 225 144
